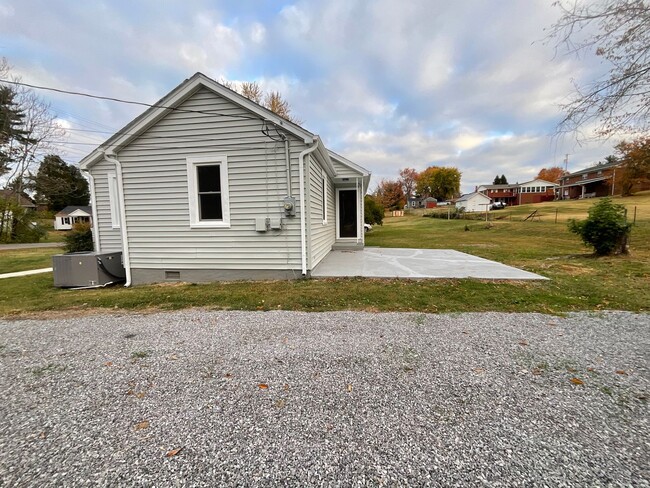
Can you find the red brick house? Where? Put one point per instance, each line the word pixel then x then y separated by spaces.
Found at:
pixel 534 191
pixel 595 181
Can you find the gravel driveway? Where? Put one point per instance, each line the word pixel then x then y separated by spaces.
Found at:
pixel 326 399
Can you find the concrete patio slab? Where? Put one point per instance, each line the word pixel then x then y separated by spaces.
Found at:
pixel 379 262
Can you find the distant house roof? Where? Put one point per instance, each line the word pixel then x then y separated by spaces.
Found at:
pixel 499 187
pixel 596 167
pixel 540 182
pixel 23 200
pixel 72 208
pixel 467 196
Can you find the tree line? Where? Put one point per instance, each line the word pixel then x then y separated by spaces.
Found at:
pixel 439 182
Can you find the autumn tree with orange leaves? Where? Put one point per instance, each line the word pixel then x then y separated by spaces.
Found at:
pixel 552 174
pixel 390 194
pixel 635 156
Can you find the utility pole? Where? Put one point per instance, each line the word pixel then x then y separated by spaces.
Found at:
pixel 566 170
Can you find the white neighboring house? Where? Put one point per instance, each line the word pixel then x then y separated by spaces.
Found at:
pixel 207 185
pixel 71 215
pixel 473 202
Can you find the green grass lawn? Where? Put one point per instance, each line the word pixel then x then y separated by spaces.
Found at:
pixel 26 259
pixel 578 281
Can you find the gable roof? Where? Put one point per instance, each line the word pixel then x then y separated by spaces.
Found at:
pixel 468 196
pixel 23 200
pixel 73 208
pixel 176 97
pixel 542 182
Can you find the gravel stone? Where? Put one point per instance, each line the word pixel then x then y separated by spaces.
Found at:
pixel 326 399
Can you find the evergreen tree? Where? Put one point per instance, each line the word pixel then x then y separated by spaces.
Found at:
pixel 59 184
pixel 11 131
pixel 504 180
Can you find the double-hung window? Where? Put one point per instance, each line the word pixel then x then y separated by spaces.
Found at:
pixel 207 179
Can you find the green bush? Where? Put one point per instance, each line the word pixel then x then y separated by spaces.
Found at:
pixel 606 228
pixel 373 211
pixel 79 239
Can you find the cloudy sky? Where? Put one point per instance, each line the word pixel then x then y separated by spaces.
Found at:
pixel 387 83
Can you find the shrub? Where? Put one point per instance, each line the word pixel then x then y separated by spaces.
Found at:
pixel 606 228
pixel 79 239
pixel 373 211
pixel 18 224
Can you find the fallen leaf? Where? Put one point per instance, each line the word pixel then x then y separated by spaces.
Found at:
pixel 523 342
pixel 142 425
pixel 173 357
pixel 349 388
pixel 263 386
pixel 572 370
pixel 620 371
pixel 286 386
pixel 227 376
pixel 108 363
pixel 42 435
pixel 536 371
pixel 280 403
pixel 552 324
pixel 465 332
pixel 577 381
pixel 140 395
pixel 174 452
pixel 479 370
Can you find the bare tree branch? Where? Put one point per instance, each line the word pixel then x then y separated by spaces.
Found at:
pixel 618 31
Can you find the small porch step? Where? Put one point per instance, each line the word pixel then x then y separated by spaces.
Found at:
pixel 347 246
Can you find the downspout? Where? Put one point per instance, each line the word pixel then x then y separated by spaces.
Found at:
pixel 112 158
pixel 303 236
pixel 93 204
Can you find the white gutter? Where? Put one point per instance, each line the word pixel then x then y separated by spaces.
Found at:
pixel 93 207
pixel 112 158
pixel 303 210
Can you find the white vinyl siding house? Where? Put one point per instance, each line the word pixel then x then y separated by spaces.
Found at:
pixel 474 202
pixel 71 215
pixel 180 222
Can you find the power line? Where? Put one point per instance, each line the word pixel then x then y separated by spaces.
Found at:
pixel 130 102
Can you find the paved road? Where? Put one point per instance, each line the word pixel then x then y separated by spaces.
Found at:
pixel 7 247
pixel 328 399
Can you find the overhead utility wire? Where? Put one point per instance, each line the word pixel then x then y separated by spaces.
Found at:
pixel 131 102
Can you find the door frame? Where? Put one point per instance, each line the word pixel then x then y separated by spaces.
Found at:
pixel 338 214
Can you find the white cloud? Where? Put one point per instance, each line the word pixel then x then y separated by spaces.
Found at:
pixel 257 33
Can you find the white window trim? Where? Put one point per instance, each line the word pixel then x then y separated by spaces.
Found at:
pixel 338 230
pixel 325 198
pixel 193 194
pixel 114 201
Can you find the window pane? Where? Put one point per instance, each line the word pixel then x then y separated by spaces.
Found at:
pixel 209 178
pixel 210 207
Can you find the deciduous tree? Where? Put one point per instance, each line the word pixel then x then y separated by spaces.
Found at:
pixel 552 174
pixel 635 156
pixel 390 194
pixel 442 183
pixel 408 178
pixel 618 32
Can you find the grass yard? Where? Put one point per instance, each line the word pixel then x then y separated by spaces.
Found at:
pixel 26 259
pixel 578 281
